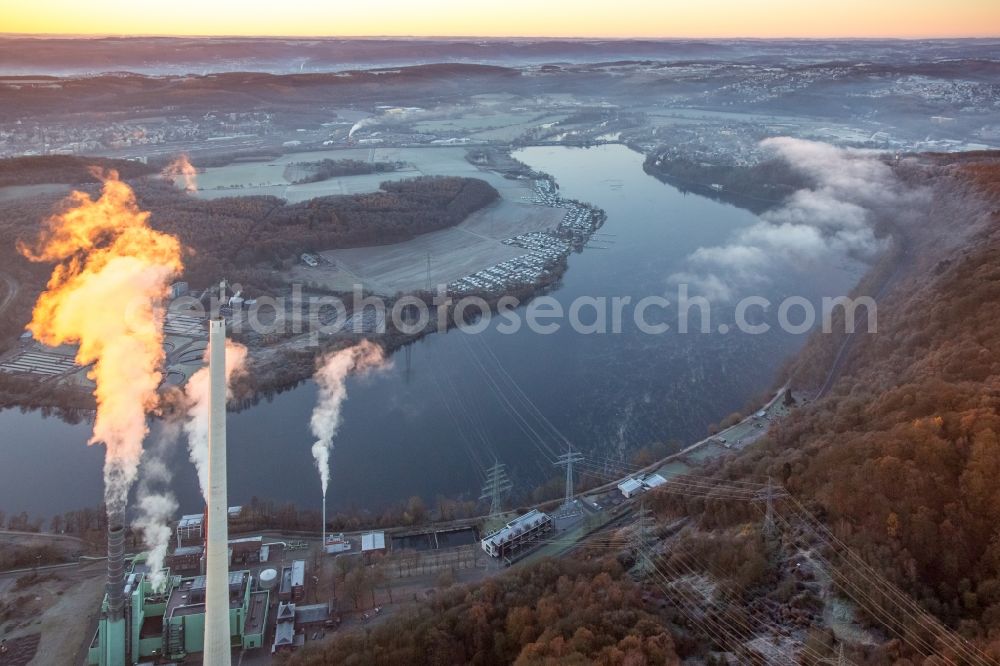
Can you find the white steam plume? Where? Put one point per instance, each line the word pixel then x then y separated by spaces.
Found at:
pixel 330 377
pixel 156 502
pixel 388 116
pixel 832 218
pixel 196 394
pixel 364 122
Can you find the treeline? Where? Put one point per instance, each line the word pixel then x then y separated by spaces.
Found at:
pixel 756 188
pixel 262 514
pixel 902 458
pixel 557 611
pixel 21 219
pixel 83 523
pixel 64 169
pixel 315 172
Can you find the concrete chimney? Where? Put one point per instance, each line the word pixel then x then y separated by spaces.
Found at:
pixel 116 565
pixel 113 640
pixel 217 640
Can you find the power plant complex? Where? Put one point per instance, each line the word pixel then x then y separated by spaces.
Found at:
pixel 210 613
pixel 215 594
pixel 172 623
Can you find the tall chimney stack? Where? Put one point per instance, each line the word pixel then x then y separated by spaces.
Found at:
pixel 217 630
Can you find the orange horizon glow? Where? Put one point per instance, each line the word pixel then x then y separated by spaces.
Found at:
pixel 512 18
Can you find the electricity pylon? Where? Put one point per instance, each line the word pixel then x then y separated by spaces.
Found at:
pixel 497 485
pixel 767 496
pixel 568 459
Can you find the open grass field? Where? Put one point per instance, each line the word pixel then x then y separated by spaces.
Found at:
pixel 454 253
pixel 269 178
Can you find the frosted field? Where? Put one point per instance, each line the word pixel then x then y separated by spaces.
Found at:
pixel 496 127
pixel 268 178
pixel 472 123
pixel 471 246
pixel 25 191
pixel 511 132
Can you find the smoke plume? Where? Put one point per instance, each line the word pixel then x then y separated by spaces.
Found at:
pixel 364 122
pixel 832 218
pixel 331 376
pixel 196 394
pixel 389 116
pixel 182 168
pixel 156 503
pixel 106 294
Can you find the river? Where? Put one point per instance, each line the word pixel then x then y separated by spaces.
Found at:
pixel 428 426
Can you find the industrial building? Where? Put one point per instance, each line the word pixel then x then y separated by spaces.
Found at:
pixel 284 630
pixel 372 543
pixel 636 485
pixel 293 582
pixel 170 624
pixel 517 534
pixel 186 559
pixel 191 530
pixel 337 543
pixel 247 551
pixel 630 487
pixel 293 620
pixel 191 527
pixel 243 552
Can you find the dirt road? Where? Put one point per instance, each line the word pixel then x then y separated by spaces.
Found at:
pixel 10 289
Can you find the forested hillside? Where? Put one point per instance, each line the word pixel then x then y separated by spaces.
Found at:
pixel 902 458
pixel 64 169
pixel 555 612
pixel 755 188
pixel 314 172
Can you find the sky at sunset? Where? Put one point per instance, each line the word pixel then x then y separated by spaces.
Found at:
pixel 528 18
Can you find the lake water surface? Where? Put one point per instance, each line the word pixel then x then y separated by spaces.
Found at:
pixel 429 426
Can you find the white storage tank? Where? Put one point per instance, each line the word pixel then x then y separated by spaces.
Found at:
pixel 268 579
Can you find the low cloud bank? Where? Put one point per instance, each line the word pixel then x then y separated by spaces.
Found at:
pixel 833 218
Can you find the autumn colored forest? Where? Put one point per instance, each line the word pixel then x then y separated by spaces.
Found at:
pixel 556 612
pixel 902 459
